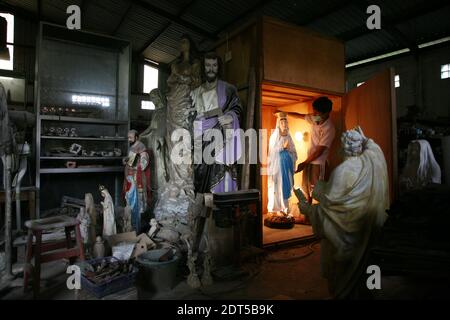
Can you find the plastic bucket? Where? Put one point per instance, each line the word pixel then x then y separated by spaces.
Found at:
pixel 155 277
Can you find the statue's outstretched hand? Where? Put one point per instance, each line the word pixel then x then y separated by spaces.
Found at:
pixel 299 194
pixel 303 204
pixel 360 131
pixel 300 167
pixel 365 139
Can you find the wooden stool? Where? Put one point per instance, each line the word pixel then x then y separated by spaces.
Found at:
pixel 39 249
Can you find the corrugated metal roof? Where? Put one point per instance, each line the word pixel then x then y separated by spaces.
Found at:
pixel 139 26
pixel 29 5
pixel 172 6
pixel 412 21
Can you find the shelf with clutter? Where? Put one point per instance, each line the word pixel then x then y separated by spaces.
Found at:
pixel 82 113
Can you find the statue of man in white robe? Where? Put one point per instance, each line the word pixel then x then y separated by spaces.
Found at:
pixel 352 208
pixel 281 167
pixel 421 168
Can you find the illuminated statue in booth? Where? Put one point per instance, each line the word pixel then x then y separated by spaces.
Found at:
pixel 281 166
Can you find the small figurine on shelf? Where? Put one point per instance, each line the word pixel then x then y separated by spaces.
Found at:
pixel 99 248
pixel 90 209
pixel 126 220
pixel 85 222
pixel 109 223
pixel 73 132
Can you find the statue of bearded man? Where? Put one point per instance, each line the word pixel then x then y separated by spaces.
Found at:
pixel 352 208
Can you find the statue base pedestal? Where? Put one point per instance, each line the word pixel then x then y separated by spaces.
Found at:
pixel 279 222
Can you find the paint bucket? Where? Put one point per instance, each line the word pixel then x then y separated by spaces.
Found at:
pixel 155 276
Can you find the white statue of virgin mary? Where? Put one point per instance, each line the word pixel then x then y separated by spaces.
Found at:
pixel 109 222
pixel 281 166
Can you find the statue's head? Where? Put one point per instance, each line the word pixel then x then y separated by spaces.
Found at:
pixel 103 190
pixel 133 136
pixel 352 143
pixel 321 109
pixel 282 123
pixel 414 153
pixel 212 65
pixel 157 98
pixel 187 46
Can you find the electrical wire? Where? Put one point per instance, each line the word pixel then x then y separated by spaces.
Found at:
pixel 310 252
pixel 240 285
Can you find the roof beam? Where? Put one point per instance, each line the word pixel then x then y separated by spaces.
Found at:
pixel 165 27
pixel 122 20
pixel 173 18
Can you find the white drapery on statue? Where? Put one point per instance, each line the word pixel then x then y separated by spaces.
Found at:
pixel 352 207
pixel 277 202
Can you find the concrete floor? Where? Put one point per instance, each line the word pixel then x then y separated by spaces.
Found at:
pixel 271 235
pixel 283 274
pixel 271 277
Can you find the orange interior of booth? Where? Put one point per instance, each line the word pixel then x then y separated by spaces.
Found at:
pixel 290 99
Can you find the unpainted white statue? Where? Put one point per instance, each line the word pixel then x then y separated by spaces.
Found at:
pixel 99 248
pixel 207 279
pixel 154 137
pixel 421 167
pixel 109 223
pixel 85 222
pixel 92 212
pixel 185 76
pixel 126 220
pixel 193 280
pixel 154 227
pixel 351 210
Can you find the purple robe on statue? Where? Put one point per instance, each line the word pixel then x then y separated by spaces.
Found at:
pixel 220 176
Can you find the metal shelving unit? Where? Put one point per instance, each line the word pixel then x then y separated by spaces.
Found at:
pixel 72 64
pixel 81 170
pixel 82 158
pixel 82 120
pixel 82 138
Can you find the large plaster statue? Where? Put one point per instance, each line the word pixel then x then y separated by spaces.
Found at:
pixel 218 107
pixel 352 208
pixel 109 220
pixel 7 150
pixel 92 212
pixel 185 75
pixel 281 166
pixel 154 137
pixel 85 222
pixel 137 179
pixel 7 141
pixel 421 167
pixel 322 137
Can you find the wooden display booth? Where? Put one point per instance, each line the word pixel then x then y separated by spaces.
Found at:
pixel 292 66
